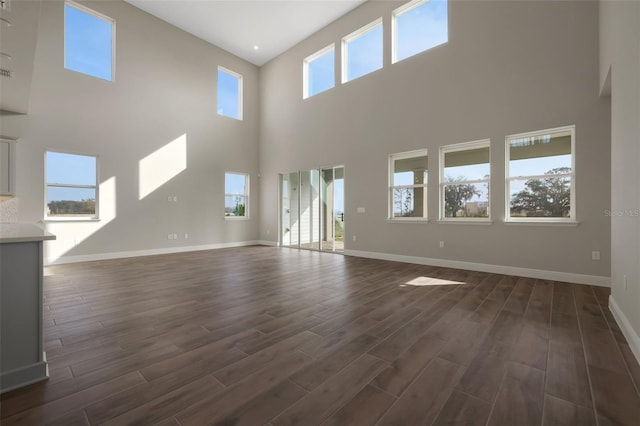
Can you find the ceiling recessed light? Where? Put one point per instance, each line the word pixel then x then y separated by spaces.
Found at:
pixel 256 47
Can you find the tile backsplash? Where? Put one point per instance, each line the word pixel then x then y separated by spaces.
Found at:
pixel 9 210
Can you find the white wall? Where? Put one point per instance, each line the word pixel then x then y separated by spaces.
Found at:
pixel 620 66
pixel 164 88
pixel 509 67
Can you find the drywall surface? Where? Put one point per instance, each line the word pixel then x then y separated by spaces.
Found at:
pixel 155 130
pixel 620 60
pixel 508 67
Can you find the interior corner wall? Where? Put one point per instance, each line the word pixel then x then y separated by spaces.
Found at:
pixel 620 53
pixel 164 90
pixel 508 67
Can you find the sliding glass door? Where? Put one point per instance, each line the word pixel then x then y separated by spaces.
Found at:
pixel 312 209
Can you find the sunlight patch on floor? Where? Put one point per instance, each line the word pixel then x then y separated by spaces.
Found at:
pixel 428 281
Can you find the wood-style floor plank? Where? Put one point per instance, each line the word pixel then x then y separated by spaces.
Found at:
pixel 275 336
pixel 558 412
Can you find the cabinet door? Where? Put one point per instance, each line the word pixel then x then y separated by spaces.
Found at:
pixel 6 168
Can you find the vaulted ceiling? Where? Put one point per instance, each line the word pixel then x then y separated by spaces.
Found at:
pixel 255 30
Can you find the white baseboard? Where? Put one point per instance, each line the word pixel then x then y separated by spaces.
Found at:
pixel 267 243
pixel 482 267
pixel 624 324
pixel 151 252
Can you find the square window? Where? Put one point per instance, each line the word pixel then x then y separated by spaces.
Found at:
pixel 418 26
pixel 464 181
pixel 229 94
pixel 236 195
pixel 362 51
pixel 71 186
pixel 88 41
pixel 319 71
pixel 408 175
pixel 540 176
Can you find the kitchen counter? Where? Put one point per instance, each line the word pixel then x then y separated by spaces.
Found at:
pixel 22 357
pixel 22 233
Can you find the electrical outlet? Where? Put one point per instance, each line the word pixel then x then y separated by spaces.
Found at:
pixel 441 244
pixel 169 199
pixel 353 238
pixel 595 255
pixel 175 198
pixel 186 236
pixel 175 236
pixel 170 237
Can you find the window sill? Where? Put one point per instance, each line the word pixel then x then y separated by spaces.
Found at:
pixel 72 219
pixel 418 221
pixel 465 222
pixel 234 218
pixel 540 223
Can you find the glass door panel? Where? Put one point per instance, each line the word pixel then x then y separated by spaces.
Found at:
pixel 333 209
pixel 289 205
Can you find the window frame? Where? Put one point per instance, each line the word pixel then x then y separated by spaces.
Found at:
pixel 464 146
pixel 572 219
pixel 240 92
pixel 97 15
pixel 96 187
pixel 247 183
pixel 391 187
pixel 395 14
pixel 345 48
pixel 305 69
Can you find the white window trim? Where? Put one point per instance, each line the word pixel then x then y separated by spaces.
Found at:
pixel 345 51
pixel 98 15
pixel 247 184
pixel 571 220
pixel 240 92
pixel 407 7
pixel 305 69
pixel 391 187
pixel 483 143
pixel 93 218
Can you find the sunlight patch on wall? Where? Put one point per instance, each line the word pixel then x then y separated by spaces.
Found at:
pixel 161 166
pixel 71 233
pixel 428 281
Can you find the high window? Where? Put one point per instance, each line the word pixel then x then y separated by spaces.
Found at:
pixel 464 181
pixel 417 26
pixel 236 195
pixel 540 176
pixel 89 39
pixel 408 185
pixel 319 71
pixel 362 51
pixel 229 93
pixel 71 185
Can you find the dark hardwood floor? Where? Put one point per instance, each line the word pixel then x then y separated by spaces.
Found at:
pixel 263 335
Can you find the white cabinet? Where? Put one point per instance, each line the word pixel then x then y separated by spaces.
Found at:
pixel 7 166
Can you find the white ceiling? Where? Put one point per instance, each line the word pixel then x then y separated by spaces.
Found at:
pixel 239 25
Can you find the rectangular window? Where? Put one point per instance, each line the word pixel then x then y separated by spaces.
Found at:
pixel 236 195
pixel 362 51
pixel 540 176
pixel 408 185
pixel 71 185
pixel 418 26
pixel 89 39
pixel 464 181
pixel 319 72
pixel 229 93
